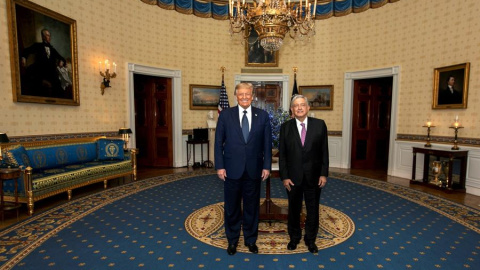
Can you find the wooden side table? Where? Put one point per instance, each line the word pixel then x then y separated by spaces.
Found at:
pixel 269 210
pixel 8 174
pixel 201 142
pixel 451 155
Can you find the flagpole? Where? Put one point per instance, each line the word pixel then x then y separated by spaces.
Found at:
pixel 223 72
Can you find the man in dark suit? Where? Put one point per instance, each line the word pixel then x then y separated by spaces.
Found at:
pixel 243 157
pixel 42 78
pixel 450 95
pixel 303 169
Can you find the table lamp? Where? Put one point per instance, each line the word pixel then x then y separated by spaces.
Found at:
pixel 125 132
pixel 3 139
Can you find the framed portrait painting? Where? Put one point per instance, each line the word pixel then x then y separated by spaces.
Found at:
pixel 450 87
pixel 320 97
pixel 204 97
pixel 43 54
pixel 256 55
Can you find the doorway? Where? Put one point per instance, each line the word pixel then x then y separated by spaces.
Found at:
pixel 371 116
pixel 153 120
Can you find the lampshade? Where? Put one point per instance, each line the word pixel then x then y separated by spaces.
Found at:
pixel 124 131
pixel 4 138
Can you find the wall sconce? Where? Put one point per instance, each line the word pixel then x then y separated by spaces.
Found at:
pixel 125 132
pixel 106 75
pixel 3 139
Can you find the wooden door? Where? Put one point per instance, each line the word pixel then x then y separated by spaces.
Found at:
pixel 372 101
pixel 267 96
pixel 153 120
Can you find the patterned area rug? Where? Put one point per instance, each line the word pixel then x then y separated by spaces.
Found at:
pixel 145 225
pixel 206 225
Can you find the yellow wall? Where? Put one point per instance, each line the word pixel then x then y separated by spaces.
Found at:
pixel 123 31
pixel 415 35
pixel 418 36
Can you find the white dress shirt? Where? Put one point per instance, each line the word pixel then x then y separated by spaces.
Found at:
pixel 249 115
pixel 299 127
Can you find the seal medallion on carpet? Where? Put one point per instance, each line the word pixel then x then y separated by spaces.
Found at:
pixel 206 225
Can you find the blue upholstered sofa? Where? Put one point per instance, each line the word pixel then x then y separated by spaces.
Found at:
pixel 53 167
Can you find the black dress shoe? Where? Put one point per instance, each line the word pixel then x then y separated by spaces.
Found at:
pixel 312 248
pixel 232 249
pixel 292 245
pixel 252 248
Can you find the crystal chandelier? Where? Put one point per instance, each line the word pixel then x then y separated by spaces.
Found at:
pixel 272 20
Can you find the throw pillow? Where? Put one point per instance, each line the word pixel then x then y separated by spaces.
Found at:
pixel 18 155
pixel 110 149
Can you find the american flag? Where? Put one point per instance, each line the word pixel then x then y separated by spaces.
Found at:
pixel 223 102
pixel 295 90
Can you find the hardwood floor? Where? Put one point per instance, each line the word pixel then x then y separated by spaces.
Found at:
pixel 10 217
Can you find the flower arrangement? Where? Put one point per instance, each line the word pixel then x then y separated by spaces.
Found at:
pixel 277 118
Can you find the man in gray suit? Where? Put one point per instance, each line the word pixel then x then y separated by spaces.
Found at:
pixel 303 169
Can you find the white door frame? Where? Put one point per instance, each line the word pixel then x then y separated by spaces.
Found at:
pixel 349 78
pixel 176 76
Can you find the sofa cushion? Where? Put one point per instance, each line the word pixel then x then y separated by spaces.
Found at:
pixel 18 155
pixel 52 156
pixel 50 180
pixel 110 149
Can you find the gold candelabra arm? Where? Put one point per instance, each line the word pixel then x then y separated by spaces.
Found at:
pixel 106 79
pixel 428 136
pixel 455 140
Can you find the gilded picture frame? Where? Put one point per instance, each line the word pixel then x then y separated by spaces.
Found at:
pixel 204 97
pixel 450 87
pixel 43 55
pixel 256 55
pixel 320 97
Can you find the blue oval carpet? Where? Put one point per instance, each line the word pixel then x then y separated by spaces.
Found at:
pixel 148 225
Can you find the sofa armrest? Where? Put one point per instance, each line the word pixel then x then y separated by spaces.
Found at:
pixel 28 179
pixel 133 157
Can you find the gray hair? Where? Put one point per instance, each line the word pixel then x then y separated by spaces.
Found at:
pixel 297 97
pixel 243 85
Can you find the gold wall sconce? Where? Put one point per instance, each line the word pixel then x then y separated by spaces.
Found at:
pixel 105 73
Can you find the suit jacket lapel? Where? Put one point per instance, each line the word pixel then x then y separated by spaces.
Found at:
pixel 236 122
pixel 294 130
pixel 254 125
pixel 310 133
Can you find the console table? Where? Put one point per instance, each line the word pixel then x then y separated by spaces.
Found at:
pixel 201 142
pixel 462 156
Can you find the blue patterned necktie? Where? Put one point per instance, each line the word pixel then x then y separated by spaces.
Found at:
pixel 245 126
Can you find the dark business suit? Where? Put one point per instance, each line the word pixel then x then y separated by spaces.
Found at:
pixel 243 163
pixel 445 96
pixel 41 77
pixel 303 165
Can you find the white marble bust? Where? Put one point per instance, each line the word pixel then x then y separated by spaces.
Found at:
pixel 211 123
